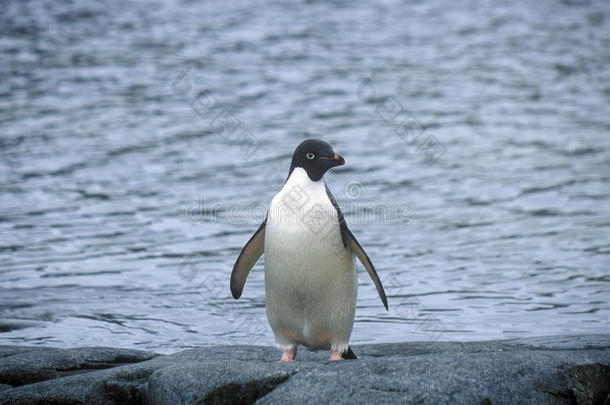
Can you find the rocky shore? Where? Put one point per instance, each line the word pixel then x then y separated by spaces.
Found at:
pixel 546 370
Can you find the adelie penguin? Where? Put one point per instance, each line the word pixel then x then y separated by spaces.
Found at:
pixel 310 270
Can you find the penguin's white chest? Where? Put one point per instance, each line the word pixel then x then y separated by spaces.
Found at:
pixel 310 277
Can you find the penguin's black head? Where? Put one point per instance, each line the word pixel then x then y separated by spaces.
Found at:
pixel 315 157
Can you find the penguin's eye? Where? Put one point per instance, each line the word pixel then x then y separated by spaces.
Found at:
pixel 310 156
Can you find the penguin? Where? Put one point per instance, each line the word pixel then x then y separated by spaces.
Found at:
pixel 311 282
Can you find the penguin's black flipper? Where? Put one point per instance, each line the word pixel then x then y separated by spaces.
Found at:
pixel 247 259
pixel 350 240
pixel 364 259
pixel 349 354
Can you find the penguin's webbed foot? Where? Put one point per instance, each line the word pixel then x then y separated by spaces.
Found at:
pixel 335 355
pixel 289 354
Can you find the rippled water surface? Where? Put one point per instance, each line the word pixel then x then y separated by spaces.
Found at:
pixel 477 175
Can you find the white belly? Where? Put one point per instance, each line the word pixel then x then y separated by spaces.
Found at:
pixel 310 277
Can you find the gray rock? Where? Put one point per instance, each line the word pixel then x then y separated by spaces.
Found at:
pixel 217 382
pixel 26 365
pixel 548 370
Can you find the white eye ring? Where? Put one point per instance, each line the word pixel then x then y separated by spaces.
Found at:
pixel 310 156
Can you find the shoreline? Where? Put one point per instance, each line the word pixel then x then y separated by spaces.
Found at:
pixel 552 369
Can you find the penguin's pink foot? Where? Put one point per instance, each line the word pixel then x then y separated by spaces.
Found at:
pixel 335 356
pixel 289 354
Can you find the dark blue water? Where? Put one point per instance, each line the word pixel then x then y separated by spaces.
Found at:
pixel 140 143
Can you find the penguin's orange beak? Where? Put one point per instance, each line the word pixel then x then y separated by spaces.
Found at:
pixel 336 160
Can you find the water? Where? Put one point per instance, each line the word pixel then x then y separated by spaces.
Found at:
pixel 124 204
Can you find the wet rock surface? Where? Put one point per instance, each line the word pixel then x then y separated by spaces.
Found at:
pixel 548 370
